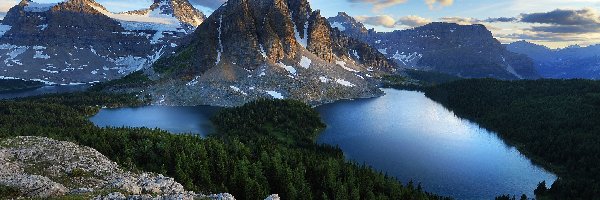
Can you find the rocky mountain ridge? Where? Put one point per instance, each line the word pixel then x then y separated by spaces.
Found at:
pixel 80 41
pixel 252 49
pixel 468 51
pixel 570 62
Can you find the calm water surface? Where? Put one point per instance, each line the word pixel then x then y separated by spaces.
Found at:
pixel 412 137
pixel 404 134
pixel 180 120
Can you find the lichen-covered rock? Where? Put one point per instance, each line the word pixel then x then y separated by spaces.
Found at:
pixel 273 197
pixel 222 196
pixel 42 168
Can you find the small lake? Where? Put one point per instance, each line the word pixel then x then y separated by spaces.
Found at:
pixel 404 134
pixel 44 90
pixel 179 120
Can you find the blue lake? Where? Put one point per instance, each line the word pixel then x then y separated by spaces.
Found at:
pixel 180 120
pixel 403 134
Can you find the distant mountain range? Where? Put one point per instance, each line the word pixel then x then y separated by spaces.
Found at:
pixel 79 41
pixel 570 62
pixel 468 51
pixel 252 49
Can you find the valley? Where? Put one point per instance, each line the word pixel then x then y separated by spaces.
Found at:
pixel 447 159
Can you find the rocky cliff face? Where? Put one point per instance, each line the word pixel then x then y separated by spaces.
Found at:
pixel 44 168
pixel 79 41
pixel 251 49
pixel 466 51
pixel 570 62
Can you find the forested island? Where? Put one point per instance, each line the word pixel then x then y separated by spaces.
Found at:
pixel 554 122
pixel 10 85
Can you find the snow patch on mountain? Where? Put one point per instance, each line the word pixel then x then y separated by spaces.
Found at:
pixel 302 39
pixel 238 90
pixel 40 55
pixel 38 7
pixel 344 83
pixel 152 16
pixel 343 65
pixel 338 25
pixel 275 95
pixel 305 62
pixel 290 69
pixel 220 47
pixel 4 29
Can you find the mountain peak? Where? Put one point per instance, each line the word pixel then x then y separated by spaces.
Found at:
pixel 254 49
pixel 180 9
pixel 348 25
pixel 80 41
pixel 435 46
pixel 82 6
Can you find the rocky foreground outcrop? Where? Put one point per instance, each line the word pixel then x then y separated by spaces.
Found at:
pixel 41 168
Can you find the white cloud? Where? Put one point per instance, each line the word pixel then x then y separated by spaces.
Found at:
pixel 413 21
pixel 379 5
pixel 438 3
pixel 381 20
pixel 5 5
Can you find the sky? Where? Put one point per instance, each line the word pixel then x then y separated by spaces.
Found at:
pixel 554 23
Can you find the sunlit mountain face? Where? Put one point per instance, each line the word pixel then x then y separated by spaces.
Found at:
pixel 553 23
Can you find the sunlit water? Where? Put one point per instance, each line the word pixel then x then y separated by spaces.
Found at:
pixel 180 120
pixel 404 134
pixel 412 137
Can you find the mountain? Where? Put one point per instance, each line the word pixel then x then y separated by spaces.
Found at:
pixel 468 51
pixel 79 41
pixel 253 49
pixel 570 62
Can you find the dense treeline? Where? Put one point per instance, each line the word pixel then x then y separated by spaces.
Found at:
pixel 555 122
pixel 417 79
pixel 8 85
pixel 288 122
pixel 134 80
pixel 274 153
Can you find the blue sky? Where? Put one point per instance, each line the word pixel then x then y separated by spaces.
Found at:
pixel 576 21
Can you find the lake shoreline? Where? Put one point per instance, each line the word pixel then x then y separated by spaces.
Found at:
pixel 500 148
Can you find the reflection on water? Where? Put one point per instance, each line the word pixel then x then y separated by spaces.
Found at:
pixel 194 120
pixel 412 137
pixel 404 134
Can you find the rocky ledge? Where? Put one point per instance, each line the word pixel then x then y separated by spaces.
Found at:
pixel 40 167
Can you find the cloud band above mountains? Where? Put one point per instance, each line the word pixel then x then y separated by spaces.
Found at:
pixel 379 5
pixel 390 22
